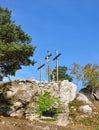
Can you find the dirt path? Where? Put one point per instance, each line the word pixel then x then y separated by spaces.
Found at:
pixel 8 123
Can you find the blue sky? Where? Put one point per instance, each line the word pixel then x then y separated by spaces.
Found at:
pixel 69 26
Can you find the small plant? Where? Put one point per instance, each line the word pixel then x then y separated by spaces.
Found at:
pixel 46 105
pixel 87 121
pixel 1 87
pixel 72 103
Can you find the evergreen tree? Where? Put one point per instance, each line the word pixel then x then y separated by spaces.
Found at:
pixel 15 47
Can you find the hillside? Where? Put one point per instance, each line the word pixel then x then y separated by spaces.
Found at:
pixel 18 107
pixel 87 122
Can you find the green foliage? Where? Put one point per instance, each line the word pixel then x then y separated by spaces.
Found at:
pixel 1 87
pixel 87 121
pixel 62 74
pixel 72 103
pixel 46 104
pixel 15 49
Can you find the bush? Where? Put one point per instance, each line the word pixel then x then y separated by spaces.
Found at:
pixel 46 105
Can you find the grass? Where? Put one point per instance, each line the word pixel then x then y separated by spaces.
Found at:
pixel 90 121
pixel 81 119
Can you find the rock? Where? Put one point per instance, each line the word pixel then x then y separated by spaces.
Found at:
pixel 46 128
pixel 18 113
pixel 31 108
pixel 17 109
pixel 32 117
pixel 32 80
pixel 67 93
pixel 20 80
pixel 52 87
pixel 86 109
pixel 62 119
pixel 26 95
pixel 91 93
pixel 82 98
pixel 96 93
pixel 11 92
pixel 3 122
pixel 25 92
pixel 17 104
pixel 46 118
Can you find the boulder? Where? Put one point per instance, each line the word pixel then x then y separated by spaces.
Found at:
pixel 82 98
pixel 62 119
pixel 18 113
pixel 10 92
pixel 85 109
pixel 91 93
pixel 31 108
pixel 96 93
pixel 67 93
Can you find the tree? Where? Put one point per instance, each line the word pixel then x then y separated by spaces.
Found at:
pixel 62 74
pixel 15 47
pixel 91 74
pixel 76 71
pixel 88 74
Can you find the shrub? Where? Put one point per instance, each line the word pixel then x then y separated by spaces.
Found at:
pixel 46 105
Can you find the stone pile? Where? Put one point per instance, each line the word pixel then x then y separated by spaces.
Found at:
pixel 86 106
pixel 23 95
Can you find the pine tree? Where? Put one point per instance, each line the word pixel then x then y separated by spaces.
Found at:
pixel 15 47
